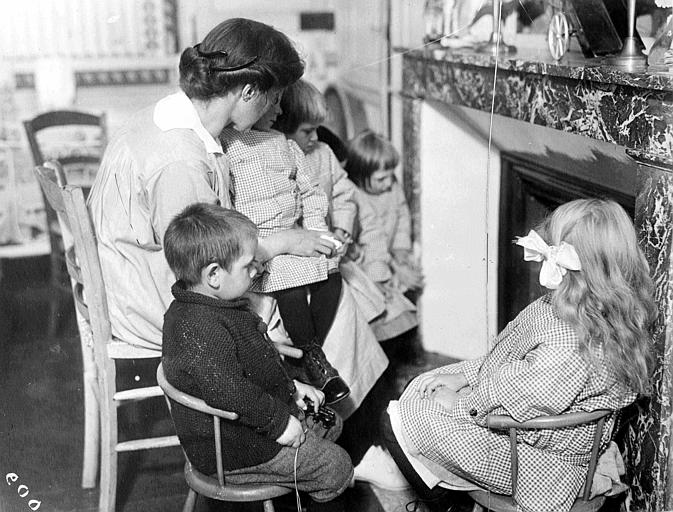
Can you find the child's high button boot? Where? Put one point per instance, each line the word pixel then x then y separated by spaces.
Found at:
pixel 323 375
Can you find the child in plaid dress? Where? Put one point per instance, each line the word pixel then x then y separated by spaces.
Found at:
pixel 272 185
pixel 303 110
pixel 382 237
pixel 583 346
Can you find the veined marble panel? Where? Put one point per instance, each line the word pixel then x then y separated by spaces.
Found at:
pixel 648 441
pixel 411 168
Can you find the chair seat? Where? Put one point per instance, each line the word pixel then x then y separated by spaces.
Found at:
pixel 209 486
pixel 505 503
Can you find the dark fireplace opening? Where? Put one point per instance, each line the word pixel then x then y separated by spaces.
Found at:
pixel 530 190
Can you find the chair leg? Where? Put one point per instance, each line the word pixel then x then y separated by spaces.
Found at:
pixel 190 502
pixel 54 310
pixel 108 459
pixel 268 506
pixel 91 433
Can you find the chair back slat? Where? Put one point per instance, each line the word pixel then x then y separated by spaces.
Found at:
pixel 81 255
pixel 61 118
pixel 80 303
pixel 570 419
pixel 514 460
pixel 218 449
pixel 48 179
pixel 92 276
pixel 593 462
pixel 189 401
pixel 74 269
pixel 198 404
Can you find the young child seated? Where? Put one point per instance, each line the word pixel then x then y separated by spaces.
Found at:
pixel 382 238
pixel 274 187
pixel 303 110
pixel 583 346
pixel 215 348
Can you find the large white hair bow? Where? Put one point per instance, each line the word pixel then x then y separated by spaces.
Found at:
pixel 556 261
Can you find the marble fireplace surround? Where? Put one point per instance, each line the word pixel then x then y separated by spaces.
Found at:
pixel 580 97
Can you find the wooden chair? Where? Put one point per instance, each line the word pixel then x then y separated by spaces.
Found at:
pixel 215 486
pixel 101 399
pixel 79 168
pixel 486 500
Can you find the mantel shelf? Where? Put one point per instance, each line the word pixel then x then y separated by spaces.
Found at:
pixel 577 95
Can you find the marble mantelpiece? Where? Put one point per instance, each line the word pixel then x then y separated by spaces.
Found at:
pixel 582 97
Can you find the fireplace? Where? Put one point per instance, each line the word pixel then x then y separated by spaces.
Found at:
pixel 630 112
pixel 471 199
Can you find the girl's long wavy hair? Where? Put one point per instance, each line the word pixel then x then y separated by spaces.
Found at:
pixel 610 301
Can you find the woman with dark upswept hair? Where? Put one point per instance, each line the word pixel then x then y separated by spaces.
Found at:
pixel 168 156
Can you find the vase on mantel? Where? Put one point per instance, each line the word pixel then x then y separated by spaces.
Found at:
pixel 661 52
pixel 433 16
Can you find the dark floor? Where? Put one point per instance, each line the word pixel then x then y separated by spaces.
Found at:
pixel 42 413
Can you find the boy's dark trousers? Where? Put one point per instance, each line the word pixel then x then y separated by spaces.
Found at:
pixel 323 469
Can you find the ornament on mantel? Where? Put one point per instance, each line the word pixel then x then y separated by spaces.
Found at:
pixel 661 52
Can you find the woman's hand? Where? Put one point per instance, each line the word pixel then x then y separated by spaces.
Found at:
pixel 305 391
pixel 429 383
pixel 297 241
pixel 293 435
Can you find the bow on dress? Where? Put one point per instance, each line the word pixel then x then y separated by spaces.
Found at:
pixel 556 261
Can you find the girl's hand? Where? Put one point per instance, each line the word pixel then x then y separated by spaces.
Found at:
pixel 385 288
pixel 343 236
pixel 354 251
pixel 305 391
pixel 429 383
pixel 409 277
pixel 293 435
pixel 445 397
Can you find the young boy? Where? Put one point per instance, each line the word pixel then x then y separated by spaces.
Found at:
pixel 215 348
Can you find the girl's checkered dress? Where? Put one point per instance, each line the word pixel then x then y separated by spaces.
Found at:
pixel 272 184
pixel 535 369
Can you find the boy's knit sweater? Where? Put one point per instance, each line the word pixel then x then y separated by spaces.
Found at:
pixel 216 350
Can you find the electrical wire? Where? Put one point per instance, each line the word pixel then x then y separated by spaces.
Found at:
pixel 296 487
pixel 497 26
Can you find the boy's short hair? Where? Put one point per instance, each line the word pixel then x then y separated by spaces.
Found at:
pixel 202 234
pixel 301 103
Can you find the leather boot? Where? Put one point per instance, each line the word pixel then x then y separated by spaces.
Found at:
pixel 323 375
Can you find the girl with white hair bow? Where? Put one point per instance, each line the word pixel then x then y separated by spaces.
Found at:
pixel 583 346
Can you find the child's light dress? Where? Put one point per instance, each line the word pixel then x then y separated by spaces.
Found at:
pixel 340 192
pixel 383 224
pixel 535 368
pixel 272 185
